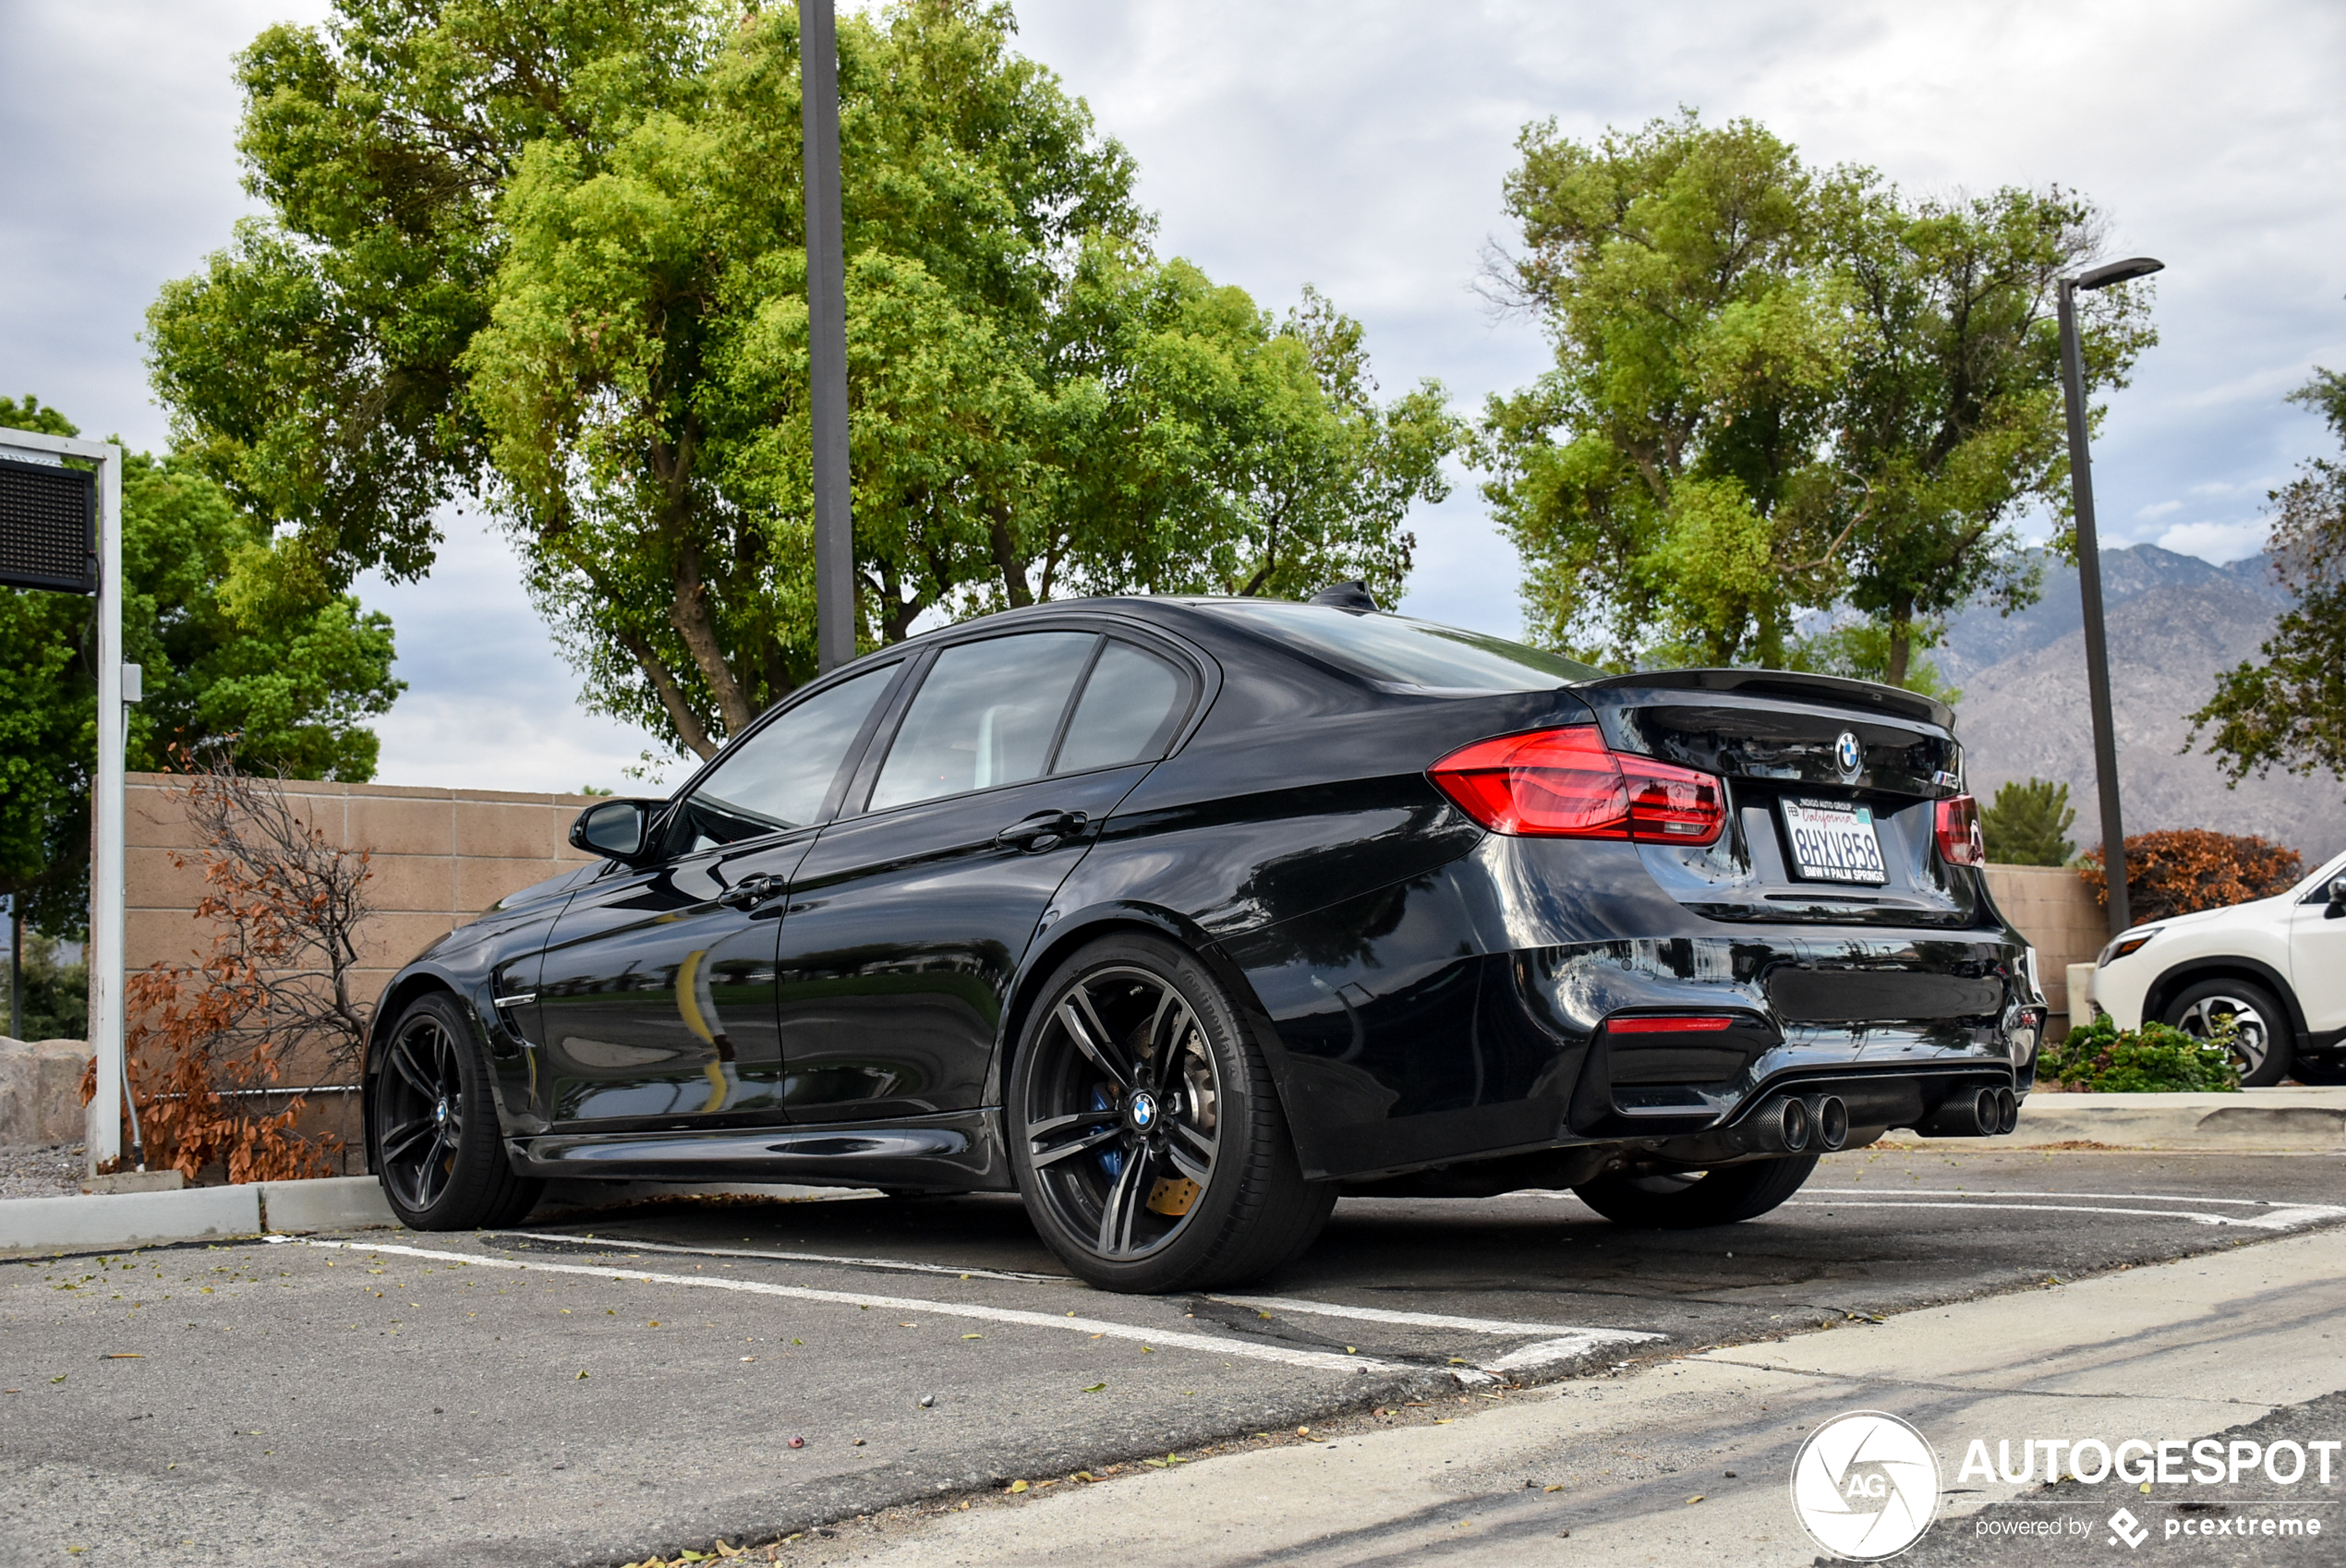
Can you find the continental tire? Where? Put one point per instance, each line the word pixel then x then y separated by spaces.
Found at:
pixel 1145 1134
pixel 431 1126
pixel 1697 1198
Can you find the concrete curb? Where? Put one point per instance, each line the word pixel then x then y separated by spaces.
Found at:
pixel 80 1223
pixel 193 1213
pixel 2290 1120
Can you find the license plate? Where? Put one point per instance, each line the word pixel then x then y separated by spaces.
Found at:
pixel 1834 841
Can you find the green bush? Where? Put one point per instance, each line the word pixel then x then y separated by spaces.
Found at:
pixel 2028 824
pixel 2154 1058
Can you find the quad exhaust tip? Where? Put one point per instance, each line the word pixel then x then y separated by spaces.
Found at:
pixel 2007 1110
pixel 1831 1119
pixel 1793 1125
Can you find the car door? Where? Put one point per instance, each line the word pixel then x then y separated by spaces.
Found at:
pixel 908 917
pixel 657 990
pixel 2318 955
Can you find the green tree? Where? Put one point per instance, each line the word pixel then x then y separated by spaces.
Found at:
pixel 602 221
pixel 235 650
pixel 1778 389
pixel 2290 710
pixel 1663 482
pixel 1949 421
pixel 2028 824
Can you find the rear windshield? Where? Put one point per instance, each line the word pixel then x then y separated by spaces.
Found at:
pixel 1401 652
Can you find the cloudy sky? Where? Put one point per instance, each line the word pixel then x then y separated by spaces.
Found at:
pixel 1358 146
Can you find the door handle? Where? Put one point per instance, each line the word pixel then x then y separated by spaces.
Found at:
pixel 752 889
pixel 1044 830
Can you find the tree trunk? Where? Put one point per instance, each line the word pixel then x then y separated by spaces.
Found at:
pixel 1902 647
pixel 693 621
pixel 689 728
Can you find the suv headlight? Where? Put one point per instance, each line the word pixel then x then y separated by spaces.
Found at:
pixel 2130 942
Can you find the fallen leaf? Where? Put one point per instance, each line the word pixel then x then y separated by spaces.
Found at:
pixel 1017 1487
pixel 1095 1388
pixel 581 1378
pixel 1550 1488
pixel 973 1337
pixel 1695 1498
pixel 124 1356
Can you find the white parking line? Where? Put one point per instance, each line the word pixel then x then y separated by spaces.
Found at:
pixel 610 1244
pixel 2128 1197
pixel 2296 1215
pixel 1319 1360
pixel 1557 1341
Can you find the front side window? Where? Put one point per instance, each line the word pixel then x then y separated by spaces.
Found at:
pixel 779 778
pixel 987 715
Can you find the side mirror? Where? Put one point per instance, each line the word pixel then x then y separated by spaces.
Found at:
pixel 2337 909
pixel 616 830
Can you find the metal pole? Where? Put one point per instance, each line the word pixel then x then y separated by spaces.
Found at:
pixel 104 1128
pixel 2081 485
pixel 826 336
pixel 15 966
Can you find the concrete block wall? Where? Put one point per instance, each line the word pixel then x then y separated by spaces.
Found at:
pixel 439 858
pixel 2058 914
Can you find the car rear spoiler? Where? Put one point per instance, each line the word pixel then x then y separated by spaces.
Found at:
pixel 1865 696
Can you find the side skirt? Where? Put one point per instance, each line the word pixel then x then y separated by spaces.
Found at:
pixel 951 1151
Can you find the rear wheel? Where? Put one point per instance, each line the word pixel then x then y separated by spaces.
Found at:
pixel 2261 1042
pixel 432 1126
pixel 1690 1200
pixel 1145 1134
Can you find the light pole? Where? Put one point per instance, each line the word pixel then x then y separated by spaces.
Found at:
pixel 2081 485
pixel 827 335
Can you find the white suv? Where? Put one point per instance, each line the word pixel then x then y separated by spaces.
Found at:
pixel 2276 967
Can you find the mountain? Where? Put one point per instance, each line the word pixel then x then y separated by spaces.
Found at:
pixel 2174 622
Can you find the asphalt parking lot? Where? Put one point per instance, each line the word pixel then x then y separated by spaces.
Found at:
pixel 594 1389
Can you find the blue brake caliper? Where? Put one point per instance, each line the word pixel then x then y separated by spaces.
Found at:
pixel 1111 1158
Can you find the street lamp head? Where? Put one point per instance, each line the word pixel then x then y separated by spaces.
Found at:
pixel 2118 272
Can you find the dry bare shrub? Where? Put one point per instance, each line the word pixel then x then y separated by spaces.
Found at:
pixel 2180 870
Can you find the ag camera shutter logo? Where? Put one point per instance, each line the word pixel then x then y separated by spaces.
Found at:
pixel 1865 1486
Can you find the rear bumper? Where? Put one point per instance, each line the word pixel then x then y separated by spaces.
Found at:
pixel 1396 1051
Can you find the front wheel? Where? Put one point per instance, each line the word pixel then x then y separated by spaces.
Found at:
pixel 1690 1200
pixel 431 1126
pixel 2261 1043
pixel 1145 1135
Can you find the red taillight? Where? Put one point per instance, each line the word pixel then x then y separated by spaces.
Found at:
pixel 1565 784
pixel 1960 840
pixel 1697 1024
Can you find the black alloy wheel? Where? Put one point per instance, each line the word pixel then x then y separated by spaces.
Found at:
pixel 1691 1199
pixel 2261 1043
pixel 1145 1133
pixel 432 1125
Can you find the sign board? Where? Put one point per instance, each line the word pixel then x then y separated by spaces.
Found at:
pixel 48 526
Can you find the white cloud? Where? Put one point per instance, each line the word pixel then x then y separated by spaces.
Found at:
pixel 2217 542
pixel 2160 509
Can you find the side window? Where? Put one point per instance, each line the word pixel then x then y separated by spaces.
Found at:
pixel 1128 711
pixel 986 715
pixel 778 778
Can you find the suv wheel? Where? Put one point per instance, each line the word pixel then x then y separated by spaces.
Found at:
pixel 2261 1042
pixel 1145 1131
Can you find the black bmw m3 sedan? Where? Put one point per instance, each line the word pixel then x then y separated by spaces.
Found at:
pixel 1183 917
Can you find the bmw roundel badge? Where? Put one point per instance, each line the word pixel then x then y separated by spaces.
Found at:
pixel 1849 754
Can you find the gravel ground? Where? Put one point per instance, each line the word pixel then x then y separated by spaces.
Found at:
pixel 49 1172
